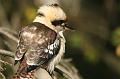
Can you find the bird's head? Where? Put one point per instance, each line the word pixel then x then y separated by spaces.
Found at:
pixel 52 16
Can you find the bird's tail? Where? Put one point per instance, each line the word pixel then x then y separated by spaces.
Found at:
pixel 23 74
pixel 25 71
pixel 18 76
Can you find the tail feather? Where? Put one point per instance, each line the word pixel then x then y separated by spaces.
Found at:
pixel 24 71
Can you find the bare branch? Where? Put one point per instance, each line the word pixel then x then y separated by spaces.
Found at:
pixel 67 69
pixel 4 62
pixel 8 35
pixel 6 53
pixel 8 30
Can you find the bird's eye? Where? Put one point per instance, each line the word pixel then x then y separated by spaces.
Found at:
pixel 58 22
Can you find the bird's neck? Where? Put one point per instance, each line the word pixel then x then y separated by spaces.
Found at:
pixel 44 21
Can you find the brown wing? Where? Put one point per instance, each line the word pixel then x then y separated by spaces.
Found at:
pixel 37 45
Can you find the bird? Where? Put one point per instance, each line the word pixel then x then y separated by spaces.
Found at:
pixel 41 43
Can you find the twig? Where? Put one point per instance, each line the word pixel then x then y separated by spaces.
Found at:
pixel 8 30
pixel 4 62
pixel 6 53
pixel 64 71
pixel 68 70
pixel 9 35
pixel 2 76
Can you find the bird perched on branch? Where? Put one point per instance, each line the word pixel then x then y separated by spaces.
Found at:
pixel 41 43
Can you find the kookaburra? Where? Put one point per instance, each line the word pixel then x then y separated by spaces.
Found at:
pixel 41 43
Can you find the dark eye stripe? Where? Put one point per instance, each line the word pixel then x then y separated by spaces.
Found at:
pixel 55 5
pixel 40 14
pixel 58 22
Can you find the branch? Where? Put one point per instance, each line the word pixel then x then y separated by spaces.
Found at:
pixel 8 30
pixel 68 69
pixel 8 35
pixel 6 53
pixel 4 62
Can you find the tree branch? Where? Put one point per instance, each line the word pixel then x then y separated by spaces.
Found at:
pixel 6 53
pixel 4 62
pixel 8 35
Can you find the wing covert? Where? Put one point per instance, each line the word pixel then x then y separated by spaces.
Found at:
pixel 44 52
pixel 38 44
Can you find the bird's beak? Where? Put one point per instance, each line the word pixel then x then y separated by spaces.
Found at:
pixel 67 27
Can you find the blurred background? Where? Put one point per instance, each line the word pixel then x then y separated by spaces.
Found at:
pixel 94 46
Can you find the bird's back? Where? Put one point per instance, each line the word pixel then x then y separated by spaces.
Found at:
pixel 34 40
